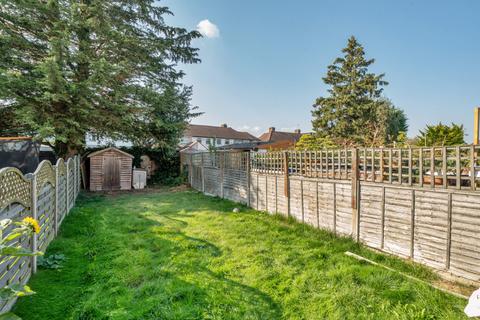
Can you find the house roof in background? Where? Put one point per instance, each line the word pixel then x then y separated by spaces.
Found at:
pixel 195 130
pixel 275 136
pixel 277 145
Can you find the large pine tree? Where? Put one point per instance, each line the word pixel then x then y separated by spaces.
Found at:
pixel 354 113
pixel 106 68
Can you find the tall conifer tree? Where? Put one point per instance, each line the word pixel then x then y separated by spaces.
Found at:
pixel 354 112
pixel 107 68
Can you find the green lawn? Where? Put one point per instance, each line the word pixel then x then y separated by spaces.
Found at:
pixel 182 255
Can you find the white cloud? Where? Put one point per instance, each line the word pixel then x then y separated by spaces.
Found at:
pixel 208 29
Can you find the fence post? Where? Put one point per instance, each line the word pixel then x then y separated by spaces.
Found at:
pixel 472 168
pixel 286 184
pixel 382 230
pixel 266 191
pixel 355 195
pixel 34 216
pixel 334 207
pixel 449 232
pixel 301 197
pixel 190 170
pixel 276 193
pixel 203 174
pixel 222 172
pixel 67 188
pixel 248 179
pixel 75 187
pixel 79 174
pixel 256 192
pixel 74 193
pixel 412 226
pixel 57 187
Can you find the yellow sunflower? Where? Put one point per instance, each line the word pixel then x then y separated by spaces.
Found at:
pixel 32 224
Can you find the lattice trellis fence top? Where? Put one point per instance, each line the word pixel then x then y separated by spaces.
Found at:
pixel 14 188
pixel 44 173
pixel 70 164
pixel 61 167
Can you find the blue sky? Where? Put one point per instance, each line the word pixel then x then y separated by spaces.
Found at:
pixel 266 65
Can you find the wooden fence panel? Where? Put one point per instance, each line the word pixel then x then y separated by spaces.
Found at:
pixel 431 224
pixel 62 198
pixel 397 221
pixel 46 216
pixel 70 183
pixel 326 205
pixel 310 202
pixel 41 195
pixel 261 192
pixel 465 239
pixel 372 215
pixel 296 186
pixel 254 191
pixel 15 270
pixel 235 184
pixel 343 198
pixel 212 181
pixel 271 193
pixel 282 200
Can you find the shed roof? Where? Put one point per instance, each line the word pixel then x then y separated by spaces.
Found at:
pixel 96 153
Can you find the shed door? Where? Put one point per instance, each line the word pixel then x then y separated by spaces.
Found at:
pixel 111 173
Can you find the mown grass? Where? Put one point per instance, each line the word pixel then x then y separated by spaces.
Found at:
pixel 183 255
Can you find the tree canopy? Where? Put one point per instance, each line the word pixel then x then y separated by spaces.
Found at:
pixel 314 142
pixel 107 68
pixel 441 135
pixel 354 113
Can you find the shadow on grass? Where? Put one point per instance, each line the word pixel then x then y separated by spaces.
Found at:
pixel 129 258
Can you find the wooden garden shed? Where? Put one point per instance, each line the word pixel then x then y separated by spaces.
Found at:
pixel 110 169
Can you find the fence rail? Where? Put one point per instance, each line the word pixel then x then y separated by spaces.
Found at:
pixel 46 195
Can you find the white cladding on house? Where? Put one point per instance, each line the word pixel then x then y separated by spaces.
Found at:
pixel 212 141
pixel 216 136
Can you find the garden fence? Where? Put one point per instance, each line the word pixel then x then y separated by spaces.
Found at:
pixel 418 203
pixel 46 195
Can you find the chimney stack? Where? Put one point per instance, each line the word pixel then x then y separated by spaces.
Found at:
pixel 271 129
pixel 297 131
pixel 223 125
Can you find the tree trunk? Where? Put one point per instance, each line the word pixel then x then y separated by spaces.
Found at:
pixel 67 150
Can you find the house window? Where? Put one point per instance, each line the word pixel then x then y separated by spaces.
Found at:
pixel 199 140
pixel 219 141
pixel 227 141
